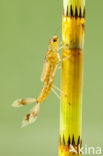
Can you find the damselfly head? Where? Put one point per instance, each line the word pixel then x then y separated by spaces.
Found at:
pixel 54 41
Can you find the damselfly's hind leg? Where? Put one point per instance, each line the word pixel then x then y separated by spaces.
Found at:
pixel 59 67
pixel 61 91
pixel 23 102
pixel 31 116
pixel 58 96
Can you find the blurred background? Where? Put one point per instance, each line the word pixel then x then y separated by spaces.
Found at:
pixel 25 28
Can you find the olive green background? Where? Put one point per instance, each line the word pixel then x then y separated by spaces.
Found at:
pixel 25 28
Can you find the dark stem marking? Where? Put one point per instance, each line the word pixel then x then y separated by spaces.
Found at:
pixel 71 141
pixel 75 12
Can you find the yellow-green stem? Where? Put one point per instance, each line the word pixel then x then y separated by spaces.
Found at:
pixel 73 24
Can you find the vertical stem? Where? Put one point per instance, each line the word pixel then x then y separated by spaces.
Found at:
pixel 73 24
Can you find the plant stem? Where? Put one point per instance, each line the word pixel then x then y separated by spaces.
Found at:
pixel 73 24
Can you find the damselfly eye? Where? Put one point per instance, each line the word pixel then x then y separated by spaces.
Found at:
pixel 54 40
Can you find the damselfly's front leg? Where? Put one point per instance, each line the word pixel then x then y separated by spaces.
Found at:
pixel 61 60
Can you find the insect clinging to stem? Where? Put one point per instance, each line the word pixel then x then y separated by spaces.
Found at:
pixel 52 59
